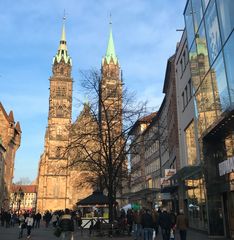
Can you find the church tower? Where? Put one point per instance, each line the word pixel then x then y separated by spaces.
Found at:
pixel 53 176
pixel 110 88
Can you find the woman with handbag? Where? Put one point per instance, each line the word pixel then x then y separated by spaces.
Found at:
pixel 29 223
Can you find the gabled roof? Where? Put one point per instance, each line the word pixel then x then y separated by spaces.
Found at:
pixel 145 119
pixel 24 188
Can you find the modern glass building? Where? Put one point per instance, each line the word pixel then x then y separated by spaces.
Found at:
pixel 210 40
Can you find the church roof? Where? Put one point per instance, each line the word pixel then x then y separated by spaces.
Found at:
pixel 62 53
pixel 110 52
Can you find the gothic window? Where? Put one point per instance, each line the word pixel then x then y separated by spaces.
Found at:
pixel 61 91
pixel 60 111
pixel 58 152
pixel 61 71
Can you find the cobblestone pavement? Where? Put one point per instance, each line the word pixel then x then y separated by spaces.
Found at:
pixel 47 234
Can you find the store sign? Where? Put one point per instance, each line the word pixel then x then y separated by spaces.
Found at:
pixel 165 182
pixel 170 172
pixel 226 166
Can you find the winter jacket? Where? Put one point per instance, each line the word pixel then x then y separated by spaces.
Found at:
pixel 147 221
pixel 66 223
pixel 165 220
pixel 181 222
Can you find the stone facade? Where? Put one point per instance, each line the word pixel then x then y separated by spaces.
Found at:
pixel 10 135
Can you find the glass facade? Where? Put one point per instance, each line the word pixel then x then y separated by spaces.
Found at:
pixel 196 203
pixel 191 144
pixel 209 27
pixel 210 37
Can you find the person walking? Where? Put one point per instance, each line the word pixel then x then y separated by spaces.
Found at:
pixel 137 228
pixel 182 224
pixel 47 217
pixel 54 219
pixel 147 225
pixel 66 224
pixel 129 221
pixel 37 220
pixel 165 224
pixel 155 216
pixel 29 224
pixel 21 224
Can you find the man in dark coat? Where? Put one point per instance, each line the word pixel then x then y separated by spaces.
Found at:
pixel 165 224
pixel 147 225
pixel 66 224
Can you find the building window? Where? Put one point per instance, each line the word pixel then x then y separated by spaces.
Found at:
pixel 189 23
pixel 226 17
pixel 191 144
pixel 212 32
pixel 229 60
pixel 220 82
pixel 205 3
pixel 183 100
pixel 202 52
pixel 194 66
pixel 190 89
pixel 197 13
pixel 186 95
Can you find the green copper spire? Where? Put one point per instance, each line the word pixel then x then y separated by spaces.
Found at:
pixel 62 50
pixel 110 52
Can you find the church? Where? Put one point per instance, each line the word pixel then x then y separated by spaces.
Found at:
pixel 59 186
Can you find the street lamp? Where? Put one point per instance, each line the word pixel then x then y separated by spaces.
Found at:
pixel 18 197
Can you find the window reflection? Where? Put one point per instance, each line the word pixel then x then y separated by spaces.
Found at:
pixel 194 66
pixel 197 13
pixel 205 3
pixel 189 24
pixel 215 212
pixel 229 60
pixel 212 31
pixel 200 113
pixel 220 83
pixel 203 60
pixel 191 144
pixel 196 203
pixel 226 17
pixel 208 101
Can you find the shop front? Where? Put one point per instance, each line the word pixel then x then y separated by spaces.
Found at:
pixel 218 150
pixel 192 195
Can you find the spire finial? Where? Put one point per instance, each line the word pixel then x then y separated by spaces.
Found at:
pixel 62 50
pixel 110 52
pixel 64 15
pixel 110 19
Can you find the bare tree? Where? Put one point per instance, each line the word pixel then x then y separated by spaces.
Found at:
pixel 23 181
pixel 100 138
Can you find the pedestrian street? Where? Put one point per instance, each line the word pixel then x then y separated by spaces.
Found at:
pixel 47 234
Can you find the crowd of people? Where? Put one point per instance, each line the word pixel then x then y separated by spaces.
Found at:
pixel 145 223
pixel 28 220
pixel 141 224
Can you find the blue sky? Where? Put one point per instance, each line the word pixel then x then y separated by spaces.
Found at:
pixel 144 34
